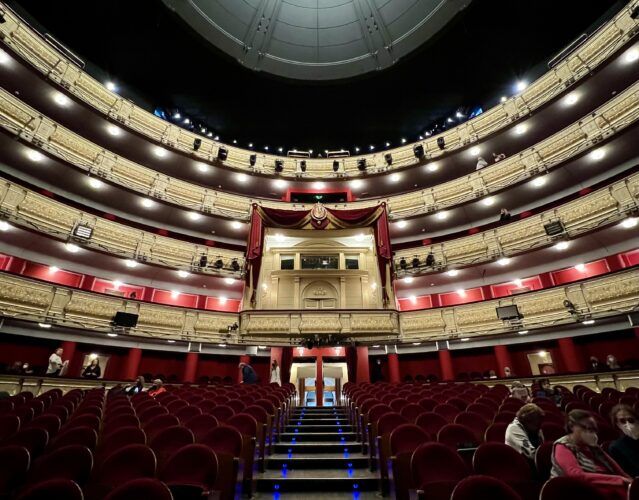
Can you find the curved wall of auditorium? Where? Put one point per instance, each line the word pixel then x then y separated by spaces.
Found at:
pixel 569 355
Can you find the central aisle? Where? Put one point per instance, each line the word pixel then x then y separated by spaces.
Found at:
pixel 319 452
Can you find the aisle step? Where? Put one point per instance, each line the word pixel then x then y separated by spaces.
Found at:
pixel 317 447
pixel 347 480
pixel 297 461
pixel 343 437
pixel 305 428
pixel 318 421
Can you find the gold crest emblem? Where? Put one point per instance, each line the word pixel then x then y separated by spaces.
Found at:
pixel 318 212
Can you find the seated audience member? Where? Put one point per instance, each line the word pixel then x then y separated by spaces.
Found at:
pixel 15 368
pixel 498 157
pixel 524 433
pixel 612 363
pixel 492 374
pixel 135 388
pixel 625 450
pixel 93 369
pixel 504 215
pixel 26 369
pixel 157 388
pixel 520 391
pixel 56 365
pixel 594 365
pixel 508 372
pixel 578 455
pixel 481 163
pixel 544 390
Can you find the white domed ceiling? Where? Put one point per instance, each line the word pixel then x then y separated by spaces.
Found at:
pixel 317 39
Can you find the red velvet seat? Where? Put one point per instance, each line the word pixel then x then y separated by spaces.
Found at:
pixel 24 413
pixel 222 412
pixel 53 489
pixel 411 411
pixel 82 435
pixel 59 411
pixel 14 464
pixel 35 440
pixel 459 403
pixel 200 425
pixel 72 462
pixel 176 405
pixel 633 491
pixel 496 433
pixel 565 487
pixel 430 422
pixel 248 427
pixel 118 439
pixel 543 460
pixel 158 424
pixel 485 411
pixel 237 405
pixel 449 412
pixel 402 442
pixel 474 422
pixel 552 431
pixel 49 423
pixel 192 468
pixel 505 417
pixel 437 469
pixel 125 464
pixel 151 412
pixel 142 488
pixel 457 436
pixel 9 425
pixel 168 441
pixel 500 461
pixel 475 487
pixel 119 422
pixel 188 412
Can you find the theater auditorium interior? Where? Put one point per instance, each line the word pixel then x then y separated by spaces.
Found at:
pixel 319 249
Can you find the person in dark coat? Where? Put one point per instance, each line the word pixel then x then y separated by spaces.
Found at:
pixel 625 450
pixel 248 374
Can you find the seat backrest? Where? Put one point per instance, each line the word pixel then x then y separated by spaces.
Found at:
pixel 397 404
pixel 474 422
pixel 258 413
pixel 237 405
pixel 406 437
pixel 9 425
pixel 193 464
pixel 50 423
pixel 141 488
pixel 566 487
pixel 244 423
pixel 430 422
pixel 449 412
pixel 80 435
pixel 152 412
pixel 176 405
pixel 633 491
pixel 169 440
pixel 14 464
pixel 54 488
pixel 504 416
pixel 184 414
pixel 501 461
pixel 222 412
pixel 543 460
pixel 223 439
pixel 389 422
pixel 130 462
pixel 552 431
pixel 33 439
pixel 474 487
pixel 74 462
pixel 457 436
pixel 434 462
pixel 496 433
pixel 201 425
pixel 120 438
pixel 459 403
pixel 121 421
pixel 159 423
pixel 411 411
pixel 485 411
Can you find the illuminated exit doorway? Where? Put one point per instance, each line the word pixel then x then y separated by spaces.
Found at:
pixel 319 375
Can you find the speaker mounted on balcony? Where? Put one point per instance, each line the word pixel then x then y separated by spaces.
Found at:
pixel 125 320
pixel 252 160
pixel 361 164
pixel 554 228
pixel 222 154
pixel 418 151
pixel 506 313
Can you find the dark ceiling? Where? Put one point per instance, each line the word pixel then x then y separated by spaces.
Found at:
pixel 158 61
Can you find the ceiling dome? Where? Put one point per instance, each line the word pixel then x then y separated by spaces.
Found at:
pixel 317 39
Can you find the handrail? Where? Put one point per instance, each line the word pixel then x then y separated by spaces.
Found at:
pixel 30 45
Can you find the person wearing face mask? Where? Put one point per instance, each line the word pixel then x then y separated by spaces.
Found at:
pixel 578 455
pixel 625 450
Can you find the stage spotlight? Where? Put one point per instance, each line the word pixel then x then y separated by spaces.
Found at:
pixel 204 261
pixel 430 260
pixel 222 154
pixel 402 263
pixel 441 143
pixel 415 262
pixel 252 160
pixel 389 158
pixel 235 265
pixel 303 165
pixel 279 166
pixel 335 165
pixel 361 164
pixel 197 143
pixel 418 151
pixel 218 264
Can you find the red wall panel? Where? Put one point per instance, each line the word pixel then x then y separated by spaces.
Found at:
pixel 219 366
pixel 217 304
pixel 505 289
pixel 44 273
pixel 124 290
pixel 165 363
pixel 632 258
pixel 418 364
pixel 473 360
pixel 455 298
pixel 422 302
pixel 571 274
pixel 168 298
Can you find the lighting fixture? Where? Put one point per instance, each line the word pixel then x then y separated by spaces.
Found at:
pixel 356 184
pixel 223 299
pixel 461 292
pixel 112 334
pixel 597 154
pixel 571 99
pixel 504 261
pixel 236 225
pixel 631 56
pixel 175 294
pixel 522 332
pixel 441 215
pixel 279 237
pixel 432 167
pixel 360 237
pixel 489 202
pixel 241 178
pixel 229 281
pixel 562 245
pixel 413 299
pixel 202 167
pixel 417 343
pixel 387 144
pixel 374 286
pixel 160 152
pixel 117 284
pixel 95 183
pixel 147 203
pixel 221 345
pixel 53 269
pixel 518 282
pixel 542 354
pixel 628 223
pixel 111 86
pixel 72 248
pixel 395 177
pixel 474 151
pixel 401 224
pixel 4 226
pixel 61 99
pixel 318 185
pixel 375 347
pixel 452 272
pixel 35 156
pixel 4 57
pixel 521 85
pixel 194 216
pixel 503 98
pixel 44 325
pixel 408 280
pixel 539 181
pixel 130 263
pixel 113 130
pixel 464 339
pixel 588 321
pixel 280 183
pixel 521 129
pixel 580 267
pixel 170 341
pixel 183 274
